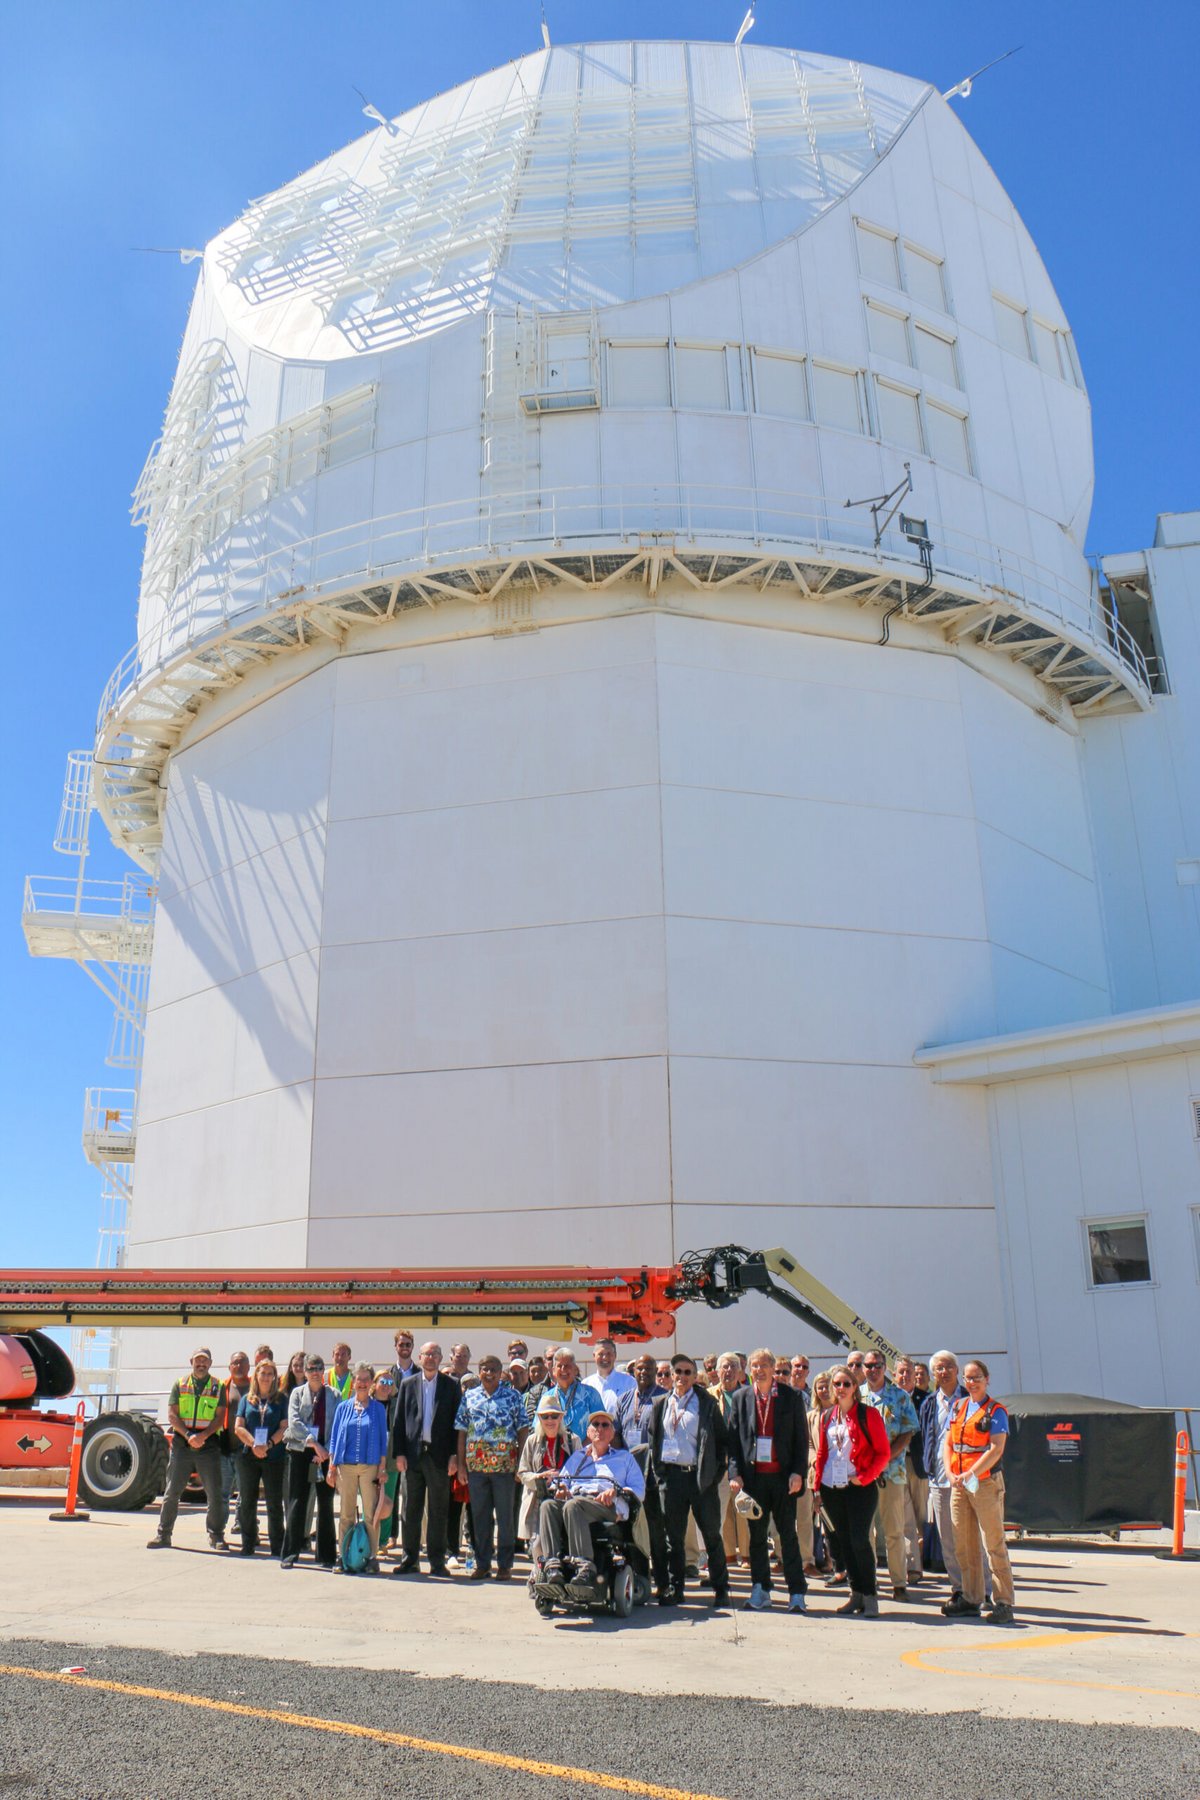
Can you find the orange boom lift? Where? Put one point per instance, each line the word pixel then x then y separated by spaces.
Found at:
pixel 124 1454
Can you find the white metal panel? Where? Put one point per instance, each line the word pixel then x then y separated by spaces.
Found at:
pixel 513 863
pixel 523 735
pixel 563 994
pixel 456 1148
pixel 812 863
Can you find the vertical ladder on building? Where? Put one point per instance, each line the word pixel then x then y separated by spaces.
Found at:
pixel 511 471
pixel 107 929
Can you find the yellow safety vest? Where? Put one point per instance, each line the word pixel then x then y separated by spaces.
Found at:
pixel 205 1399
pixel 342 1388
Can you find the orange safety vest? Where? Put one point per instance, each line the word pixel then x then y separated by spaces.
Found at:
pixel 970 1437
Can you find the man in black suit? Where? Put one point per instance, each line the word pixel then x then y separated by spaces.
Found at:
pixel 689 1449
pixel 768 1456
pixel 425 1445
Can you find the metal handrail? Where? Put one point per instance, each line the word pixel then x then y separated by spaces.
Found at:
pixel 62 894
pixel 238 576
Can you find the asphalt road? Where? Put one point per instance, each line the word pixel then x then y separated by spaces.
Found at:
pixel 59 1742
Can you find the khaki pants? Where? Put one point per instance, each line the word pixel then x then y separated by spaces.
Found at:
pixel 939 1501
pixel 804 1526
pixel 973 1514
pixel 357 1481
pixel 889 1520
pixel 735 1530
pixel 916 1511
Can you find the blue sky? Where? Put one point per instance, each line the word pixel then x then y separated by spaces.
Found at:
pixel 126 122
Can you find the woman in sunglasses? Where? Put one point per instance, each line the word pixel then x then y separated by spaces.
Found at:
pixel 852 1454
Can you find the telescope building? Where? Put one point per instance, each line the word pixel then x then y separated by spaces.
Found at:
pixel 630 749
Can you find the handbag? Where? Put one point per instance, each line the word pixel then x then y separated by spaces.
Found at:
pixel 356 1549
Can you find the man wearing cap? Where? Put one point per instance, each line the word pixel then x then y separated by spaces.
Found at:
pixel 311 1407
pixel 689 1449
pixel 194 1414
pixel 592 1486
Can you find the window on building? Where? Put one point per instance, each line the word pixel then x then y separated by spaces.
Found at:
pixel 924 278
pixel 935 355
pixel 1118 1252
pixel 639 375
pixel 836 398
pixel 1046 349
pixel 700 377
pixel 948 440
pixel 780 385
pixel 349 429
pixel 899 416
pixel 887 333
pixel 566 361
pixel 1011 327
pixel 1076 374
pixel 877 257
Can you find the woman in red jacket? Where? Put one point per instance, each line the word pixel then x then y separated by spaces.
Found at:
pixel 852 1455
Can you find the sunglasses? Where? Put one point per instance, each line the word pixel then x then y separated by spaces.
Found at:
pixel 843 1384
pixel 875 1365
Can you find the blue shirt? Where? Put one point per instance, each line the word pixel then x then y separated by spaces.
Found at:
pixel 360 1434
pixel 268 1416
pixel 633 1419
pixel 584 1474
pixel 899 1415
pixel 578 1402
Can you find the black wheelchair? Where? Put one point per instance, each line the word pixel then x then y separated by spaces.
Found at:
pixel 622 1571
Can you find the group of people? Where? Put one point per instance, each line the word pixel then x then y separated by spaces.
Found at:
pixel 722 1461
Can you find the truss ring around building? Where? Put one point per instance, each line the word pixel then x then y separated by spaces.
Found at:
pixel 559 556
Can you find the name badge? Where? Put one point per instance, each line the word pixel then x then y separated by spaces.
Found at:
pixel 261 1434
pixel 763 1451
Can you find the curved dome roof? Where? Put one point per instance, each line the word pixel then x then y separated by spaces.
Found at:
pixel 579 176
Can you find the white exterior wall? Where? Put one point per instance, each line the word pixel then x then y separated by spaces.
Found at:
pixel 1097 1144
pixel 605 943
pixel 1143 778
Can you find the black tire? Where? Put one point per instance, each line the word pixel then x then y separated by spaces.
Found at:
pixel 622 1591
pixel 124 1463
pixel 544 1606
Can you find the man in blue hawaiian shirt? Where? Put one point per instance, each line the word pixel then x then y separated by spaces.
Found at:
pixel 900 1417
pixel 492 1427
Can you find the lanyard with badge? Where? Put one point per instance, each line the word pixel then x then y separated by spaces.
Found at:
pixel 764 1446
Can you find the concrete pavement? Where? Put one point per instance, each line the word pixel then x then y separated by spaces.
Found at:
pixel 1104 1635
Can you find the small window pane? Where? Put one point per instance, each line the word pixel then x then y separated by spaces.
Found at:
pixel 1045 342
pixel 888 334
pixel 835 397
pixel 924 278
pixel 779 385
pixel 1076 374
pixel 935 356
pixel 948 438
pixel 1010 328
pixel 700 378
pixel 877 257
pixel 899 417
pixel 1119 1252
pixel 638 375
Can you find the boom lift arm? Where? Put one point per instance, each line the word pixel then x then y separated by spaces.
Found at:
pixel 628 1305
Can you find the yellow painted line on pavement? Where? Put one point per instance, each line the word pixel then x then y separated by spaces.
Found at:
pixel 618 1784
pixel 917 1659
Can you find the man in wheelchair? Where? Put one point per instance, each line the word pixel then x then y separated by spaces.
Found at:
pixel 585 1547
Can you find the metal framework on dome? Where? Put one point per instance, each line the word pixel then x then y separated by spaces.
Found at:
pixel 523 560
